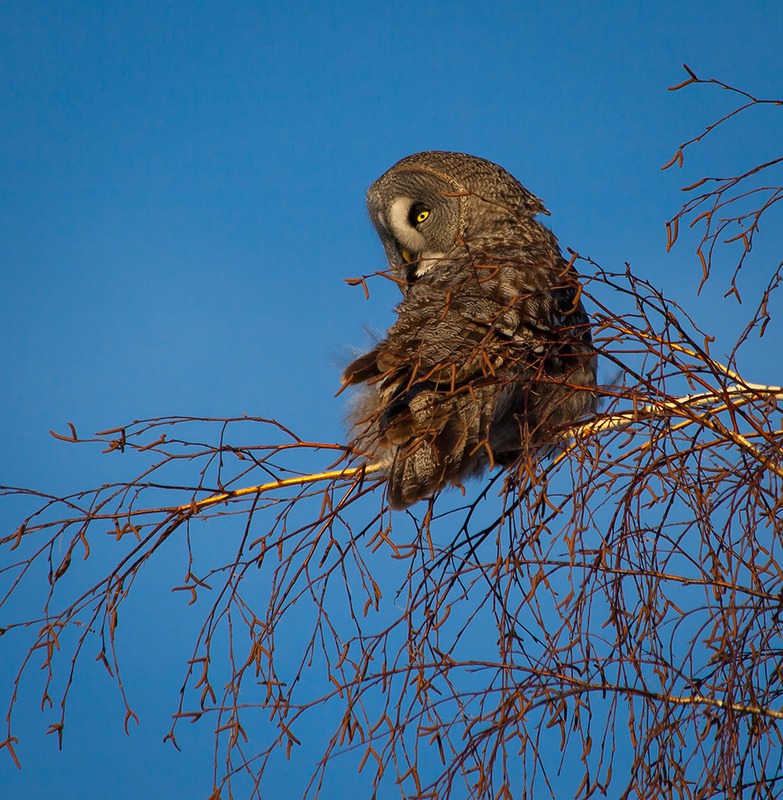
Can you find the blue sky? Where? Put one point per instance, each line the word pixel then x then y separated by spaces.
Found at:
pixel 182 194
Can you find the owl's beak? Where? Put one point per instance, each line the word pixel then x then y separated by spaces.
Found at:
pixel 416 264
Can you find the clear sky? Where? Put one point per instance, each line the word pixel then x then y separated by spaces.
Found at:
pixel 182 194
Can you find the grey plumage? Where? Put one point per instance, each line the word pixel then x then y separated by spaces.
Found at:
pixel 491 352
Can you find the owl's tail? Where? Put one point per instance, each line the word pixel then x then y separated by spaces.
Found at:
pixel 441 440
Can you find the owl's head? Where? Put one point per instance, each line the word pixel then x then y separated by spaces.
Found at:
pixel 431 205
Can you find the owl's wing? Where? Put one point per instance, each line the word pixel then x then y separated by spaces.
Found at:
pixel 476 364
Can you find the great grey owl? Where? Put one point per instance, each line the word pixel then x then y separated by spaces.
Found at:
pixel 491 352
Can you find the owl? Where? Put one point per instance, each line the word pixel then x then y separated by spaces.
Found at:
pixel 491 354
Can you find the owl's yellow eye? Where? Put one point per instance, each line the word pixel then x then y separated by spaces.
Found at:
pixel 418 213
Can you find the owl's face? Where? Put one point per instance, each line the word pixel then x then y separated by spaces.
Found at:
pixel 416 219
pixel 427 206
